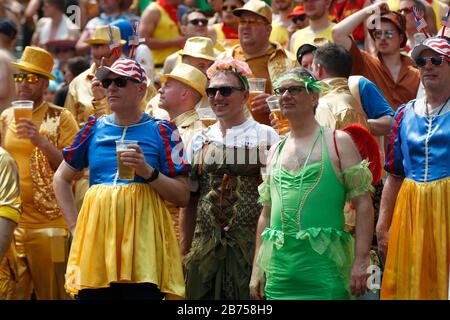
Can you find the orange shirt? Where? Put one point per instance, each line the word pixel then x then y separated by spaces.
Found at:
pixel 396 92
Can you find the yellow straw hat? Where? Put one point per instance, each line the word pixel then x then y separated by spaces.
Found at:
pixel 188 75
pixel 36 60
pixel 102 36
pixel 257 7
pixel 199 47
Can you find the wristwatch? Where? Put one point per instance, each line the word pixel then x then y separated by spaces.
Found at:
pixel 154 176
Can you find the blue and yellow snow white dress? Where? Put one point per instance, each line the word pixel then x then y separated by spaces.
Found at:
pixel 124 231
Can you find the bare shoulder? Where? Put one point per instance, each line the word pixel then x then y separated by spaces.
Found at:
pixel 150 13
pixel 348 152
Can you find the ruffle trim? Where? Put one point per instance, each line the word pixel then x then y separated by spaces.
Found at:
pixel 264 194
pixel 337 245
pixel 357 180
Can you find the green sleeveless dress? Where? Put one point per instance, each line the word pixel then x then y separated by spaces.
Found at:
pixel 305 253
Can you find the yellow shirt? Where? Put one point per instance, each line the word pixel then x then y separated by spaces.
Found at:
pixel 279 34
pixel 166 29
pixel 222 43
pixel 80 99
pixel 9 188
pixel 337 107
pixel 188 124
pixel 306 35
pixel 22 149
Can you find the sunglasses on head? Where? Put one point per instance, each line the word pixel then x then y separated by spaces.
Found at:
pixel 299 19
pixel 389 34
pixel 293 90
pixel 224 91
pixel 405 11
pixel 229 8
pixel 119 82
pixel 196 22
pixel 28 77
pixel 436 61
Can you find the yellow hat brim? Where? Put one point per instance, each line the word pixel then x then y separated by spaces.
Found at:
pixel 194 86
pixel 30 68
pixel 102 41
pixel 199 55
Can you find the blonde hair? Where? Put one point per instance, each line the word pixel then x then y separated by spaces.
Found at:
pixel 8 90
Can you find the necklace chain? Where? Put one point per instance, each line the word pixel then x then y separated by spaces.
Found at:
pixel 440 110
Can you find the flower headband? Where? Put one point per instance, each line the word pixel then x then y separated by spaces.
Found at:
pixel 241 69
pixel 311 85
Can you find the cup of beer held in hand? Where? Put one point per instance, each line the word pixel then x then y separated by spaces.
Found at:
pixel 125 172
pixel 257 86
pixel 22 109
pixel 275 109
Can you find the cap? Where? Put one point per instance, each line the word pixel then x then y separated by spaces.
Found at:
pixel 126 68
pixel 257 7
pixel 298 11
pixel 398 20
pixel 437 44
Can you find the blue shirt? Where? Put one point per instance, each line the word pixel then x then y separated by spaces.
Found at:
pixel 372 100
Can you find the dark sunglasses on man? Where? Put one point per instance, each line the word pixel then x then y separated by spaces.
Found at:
pixel 120 82
pixel 224 91
pixel 436 61
pixel 201 22
pixel 28 77
pixel 299 19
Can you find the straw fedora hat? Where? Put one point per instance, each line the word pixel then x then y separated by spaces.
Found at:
pixel 188 75
pixel 101 36
pixel 199 47
pixel 36 60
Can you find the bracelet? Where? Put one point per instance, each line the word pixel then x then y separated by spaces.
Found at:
pixel 154 176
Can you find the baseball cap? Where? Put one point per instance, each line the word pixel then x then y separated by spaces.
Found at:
pixel 125 68
pixel 437 44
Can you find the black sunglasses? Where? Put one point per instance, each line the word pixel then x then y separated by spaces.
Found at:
pixel 294 90
pixel 299 19
pixel 119 82
pixel 197 22
pixel 224 91
pixel 422 61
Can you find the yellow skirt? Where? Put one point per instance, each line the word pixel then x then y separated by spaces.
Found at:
pixel 124 234
pixel 417 264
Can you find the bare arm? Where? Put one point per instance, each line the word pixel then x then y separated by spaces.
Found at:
pixel 32 9
pixel 380 127
pixel 62 184
pixel 364 218
pixel 342 31
pixel 7 227
pixel 188 216
pixel 257 281
pixel 149 21
pixel 174 190
pixel 388 199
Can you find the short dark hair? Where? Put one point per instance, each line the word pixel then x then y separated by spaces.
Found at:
pixel 184 18
pixel 8 28
pixel 336 60
pixel 77 65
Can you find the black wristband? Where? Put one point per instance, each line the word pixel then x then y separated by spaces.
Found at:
pixel 154 176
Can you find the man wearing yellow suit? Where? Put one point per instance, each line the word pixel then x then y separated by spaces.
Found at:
pixel 41 236
pixel 9 217
pixel 160 27
pixel 265 59
pixel 181 91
